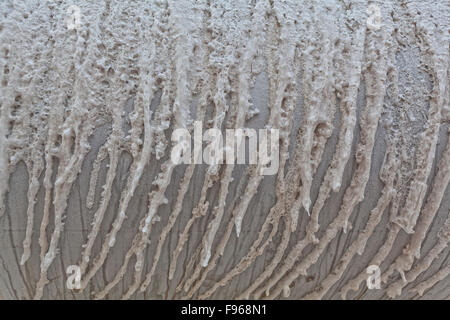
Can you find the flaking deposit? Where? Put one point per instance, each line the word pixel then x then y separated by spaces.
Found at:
pixel 91 91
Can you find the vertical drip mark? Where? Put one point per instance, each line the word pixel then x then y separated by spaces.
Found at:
pixel 353 49
pixel 101 156
pixel 407 217
pixel 35 156
pixel 412 250
pixel 276 212
pixel 8 80
pixel 4 119
pixel 220 109
pixel 375 83
pixel 76 130
pixel 33 187
pixel 63 43
pixel 285 85
pixel 415 197
pixel 182 120
pixel 60 85
pixel 395 288
pixel 142 105
pixel 244 79
pixel 119 89
pixel 189 172
pixel 442 274
pixel 357 247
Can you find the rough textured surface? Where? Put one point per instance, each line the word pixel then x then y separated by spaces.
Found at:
pixel 89 97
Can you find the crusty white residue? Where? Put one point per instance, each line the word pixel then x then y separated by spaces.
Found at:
pixel 89 100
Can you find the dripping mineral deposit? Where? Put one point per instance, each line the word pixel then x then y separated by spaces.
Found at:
pixel 355 200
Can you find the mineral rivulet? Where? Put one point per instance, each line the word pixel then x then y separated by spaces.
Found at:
pixel 91 92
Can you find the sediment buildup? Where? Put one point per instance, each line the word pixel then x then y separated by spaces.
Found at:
pixel 91 92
